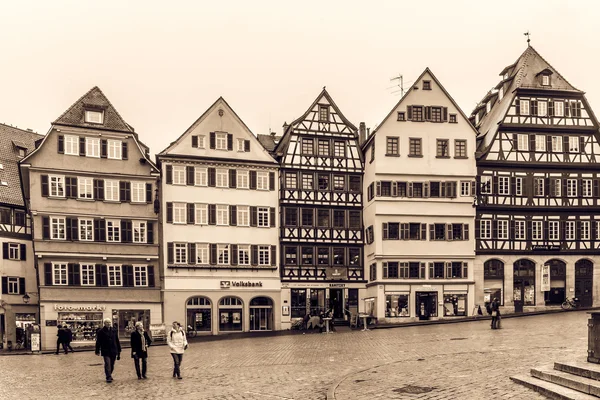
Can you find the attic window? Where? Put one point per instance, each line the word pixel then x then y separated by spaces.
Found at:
pixel 426 85
pixel 21 151
pixel 323 113
pixel 94 117
pixel 401 116
pixel 545 80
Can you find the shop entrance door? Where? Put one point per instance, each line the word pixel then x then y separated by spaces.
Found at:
pixel 426 304
pixel 584 282
pixel 518 295
pixel 336 303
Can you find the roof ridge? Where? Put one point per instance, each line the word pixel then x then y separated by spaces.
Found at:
pixel 21 129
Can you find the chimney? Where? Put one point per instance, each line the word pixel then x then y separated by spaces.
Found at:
pixel 29 130
pixel 285 126
pixel 362 133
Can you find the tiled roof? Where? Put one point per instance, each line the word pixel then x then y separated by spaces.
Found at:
pixel 94 99
pixel 10 139
pixel 269 142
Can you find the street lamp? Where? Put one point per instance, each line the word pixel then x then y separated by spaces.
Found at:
pixel 26 298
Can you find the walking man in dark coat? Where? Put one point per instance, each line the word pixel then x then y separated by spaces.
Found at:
pixel 108 345
pixel 68 339
pixel 60 339
pixel 139 348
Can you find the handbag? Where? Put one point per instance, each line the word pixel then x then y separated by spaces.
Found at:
pixel 494 313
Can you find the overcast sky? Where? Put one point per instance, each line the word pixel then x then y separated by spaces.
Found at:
pixel 163 65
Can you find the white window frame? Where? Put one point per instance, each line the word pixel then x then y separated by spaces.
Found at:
pixel 587 188
pixel 523 141
pixel 574 144
pixel 504 185
pixel 113 230
pixel 554 230
pixel 559 109
pixel 13 285
pixel 243 215
pixel 115 148
pixel 92 147
pixel 139 231
pixel 85 188
pixel 241 145
pixel 201 141
pixel 243 179
pixel 540 143
pixel 485 229
pixel 518 186
pixel 90 117
pixel 201 211
pixel 202 254
pixel 222 178
pixel 179 213
pixel 56 186
pixel 88 275
pixel 571 187
pixel 520 230
pixel 243 254
pixel 179 175
pixel 60 274
pixel 557 144
pixel 14 251
pixel 115 275
pixel 201 175
pixel 111 190
pixel 557 187
pixel 465 188
pixel 585 230
pixel 262 180
pixel 542 108
pixel 180 253
pixel 524 104
pixel 539 189
pixel 222 214
pixel 140 276
pixel 138 192
pixel 502 229
pixel 537 230
pixel 264 255
pixel 85 227
pixel 545 80
pixel 569 230
pixel 71 145
pixel 221 141
pixel 223 256
pixel 56 223
pixel 262 220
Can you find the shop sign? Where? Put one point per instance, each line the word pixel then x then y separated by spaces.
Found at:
pixel 35 342
pixel 336 274
pixel 335 285
pixel 545 278
pixel 545 247
pixel 240 284
pixel 95 307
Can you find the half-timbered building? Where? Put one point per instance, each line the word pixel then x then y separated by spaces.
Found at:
pixel 219 228
pixel 321 213
pixel 418 213
pixel 537 228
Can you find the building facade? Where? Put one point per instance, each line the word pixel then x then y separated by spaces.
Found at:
pixel 219 227
pixel 19 295
pixel 418 213
pixel 91 187
pixel 321 213
pixel 537 227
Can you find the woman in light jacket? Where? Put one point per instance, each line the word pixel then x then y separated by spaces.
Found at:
pixel 178 344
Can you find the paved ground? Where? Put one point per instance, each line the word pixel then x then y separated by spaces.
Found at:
pixel 453 361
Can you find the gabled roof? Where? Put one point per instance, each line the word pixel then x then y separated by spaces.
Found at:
pixel 426 71
pixel 11 139
pixel 93 99
pixel 269 142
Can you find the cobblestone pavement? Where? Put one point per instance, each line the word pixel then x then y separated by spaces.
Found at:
pixel 451 361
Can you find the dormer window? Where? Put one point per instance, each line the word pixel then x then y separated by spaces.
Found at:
pixel 323 113
pixel 94 116
pixel 488 107
pixel 21 152
pixel 426 85
pixel 477 119
pixel 505 76
pixel 545 80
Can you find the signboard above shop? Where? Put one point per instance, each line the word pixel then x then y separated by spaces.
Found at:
pixel 545 247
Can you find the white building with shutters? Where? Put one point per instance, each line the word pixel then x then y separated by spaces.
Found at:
pixel 419 212
pixel 219 194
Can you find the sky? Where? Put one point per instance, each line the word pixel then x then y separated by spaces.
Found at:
pixel 162 64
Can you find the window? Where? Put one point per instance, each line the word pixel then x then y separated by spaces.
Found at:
pixel 138 192
pixel 436 114
pixel 180 252
pixel 178 175
pixel 241 145
pixel 540 143
pixel 575 108
pixel 415 147
pixel 244 255
pixel 57 228
pixel 291 216
pixel 524 107
pixel 442 148
pixel 264 253
pixel 86 187
pixel 465 188
pixel 323 147
pixel 339 182
pixel 354 184
pixel 223 254
pixel 536 230
pixel 262 180
pixel 307 146
pixel 401 116
pixel 559 109
pixel 392 146
pixel 354 219
pixel 460 148
pixel 504 185
pixel 139 232
pixel 222 214
pixel 72 145
pixel 111 190
pixel 202 254
pixel 92 147
pixel 585 230
pixel 553 230
pixel 323 113
pixel 520 230
pixel 597 230
pixel 221 141
pixel 417 189
pixel 339 149
pixel 545 80
pixel 114 149
pixel 201 176
pixel 452 119
pixel 222 178
pixel 386 188
pixel 307 181
pixel 426 85
pixel 502 229
pixel 417 113
pixel 571 187
pixel 86 229
pixel 179 213
pixel 323 218
pixel 439 232
pixel 586 187
pixel 243 215
pixel 113 230
pixel 307 255
pixel 390 270
pixel 485 229
pixel 307 217
pixel 555 187
pixel 59 274
pixel 88 275
pixel 140 275
pixel 538 186
pixel 94 117
pixel 523 142
pixel 518 186
pixel 291 180
pixel 243 179
pixel 414 231
pixel 115 275
pixel 542 108
pixel 291 256
pixel 57 186
pixel 486 184
pixel 323 182
pixel 13 251
pixel 557 144
pixel 201 214
pixel 201 141
pixel 263 217
pixel 570 230
pixel 573 144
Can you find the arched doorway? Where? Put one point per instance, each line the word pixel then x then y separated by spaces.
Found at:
pixel 558 275
pixel 199 314
pixel 584 282
pixel 523 284
pixel 261 314
pixel 493 280
pixel 231 314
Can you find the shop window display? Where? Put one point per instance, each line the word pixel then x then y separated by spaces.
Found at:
pixel 125 321
pixel 455 305
pixel 199 314
pixel 396 305
pixel 230 315
pixel 83 325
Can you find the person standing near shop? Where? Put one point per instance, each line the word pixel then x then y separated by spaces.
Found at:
pixel 68 339
pixel 108 345
pixel 60 339
pixel 178 344
pixel 495 307
pixel 139 349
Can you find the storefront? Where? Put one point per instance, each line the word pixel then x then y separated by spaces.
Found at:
pixel 125 321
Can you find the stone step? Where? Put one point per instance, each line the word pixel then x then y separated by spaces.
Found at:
pixel 585 369
pixel 550 390
pixel 566 379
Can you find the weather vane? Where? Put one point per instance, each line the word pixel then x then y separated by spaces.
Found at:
pixel 528 39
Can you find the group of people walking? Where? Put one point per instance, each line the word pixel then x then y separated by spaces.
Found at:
pixel 109 347
pixel 494 310
pixel 64 339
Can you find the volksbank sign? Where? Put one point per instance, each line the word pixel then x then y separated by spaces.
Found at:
pixel 240 284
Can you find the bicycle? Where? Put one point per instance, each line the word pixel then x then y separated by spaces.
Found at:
pixel 570 303
pixel 191 332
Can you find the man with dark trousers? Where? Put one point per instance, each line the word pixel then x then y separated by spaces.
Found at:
pixel 108 345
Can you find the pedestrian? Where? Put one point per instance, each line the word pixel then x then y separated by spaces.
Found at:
pixel 60 339
pixel 495 307
pixel 178 344
pixel 68 339
pixel 108 345
pixel 139 349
